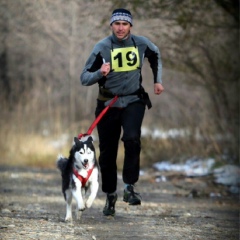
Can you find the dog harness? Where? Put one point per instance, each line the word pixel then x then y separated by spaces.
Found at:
pixel 81 178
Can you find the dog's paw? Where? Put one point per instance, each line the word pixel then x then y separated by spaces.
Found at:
pixel 81 208
pixel 79 214
pixel 89 203
pixel 68 219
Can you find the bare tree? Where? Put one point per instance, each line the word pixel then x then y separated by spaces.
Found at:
pixel 44 45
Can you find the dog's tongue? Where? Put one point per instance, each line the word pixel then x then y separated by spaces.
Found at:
pixel 86 165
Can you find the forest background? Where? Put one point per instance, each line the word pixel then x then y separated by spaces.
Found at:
pixel 45 44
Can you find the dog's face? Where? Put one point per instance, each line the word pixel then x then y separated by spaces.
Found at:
pixel 84 154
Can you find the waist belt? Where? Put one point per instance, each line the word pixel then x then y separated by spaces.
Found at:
pixel 105 94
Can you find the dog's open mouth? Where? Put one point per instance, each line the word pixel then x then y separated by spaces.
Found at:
pixel 85 165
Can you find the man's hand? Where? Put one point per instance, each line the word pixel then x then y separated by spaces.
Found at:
pixel 105 69
pixel 158 88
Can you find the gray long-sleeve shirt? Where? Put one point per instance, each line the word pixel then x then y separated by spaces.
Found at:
pixel 126 58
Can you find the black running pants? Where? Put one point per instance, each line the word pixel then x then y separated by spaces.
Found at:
pixel 127 120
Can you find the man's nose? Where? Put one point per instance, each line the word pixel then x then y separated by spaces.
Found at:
pixel 120 27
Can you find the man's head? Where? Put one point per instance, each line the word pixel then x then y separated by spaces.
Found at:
pixel 121 23
pixel 121 14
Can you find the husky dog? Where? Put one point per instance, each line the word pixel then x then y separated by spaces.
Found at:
pixel 79 173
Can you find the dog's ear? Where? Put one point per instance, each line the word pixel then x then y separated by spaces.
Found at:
pixel 76 141
pixel 90 139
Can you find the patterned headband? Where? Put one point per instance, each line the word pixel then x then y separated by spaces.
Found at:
pixel 121 15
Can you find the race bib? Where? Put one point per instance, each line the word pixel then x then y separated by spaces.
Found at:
pixel 125 59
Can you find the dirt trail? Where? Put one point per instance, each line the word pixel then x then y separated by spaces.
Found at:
pixel 32 207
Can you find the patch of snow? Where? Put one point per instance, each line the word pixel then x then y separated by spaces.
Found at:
pixel 192 168
pixel 227 175
pixel 164 134
pixel 161 179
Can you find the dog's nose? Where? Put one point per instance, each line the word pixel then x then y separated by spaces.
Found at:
pixel 85 160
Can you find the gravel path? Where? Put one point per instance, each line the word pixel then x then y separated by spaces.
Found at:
pixel 32 207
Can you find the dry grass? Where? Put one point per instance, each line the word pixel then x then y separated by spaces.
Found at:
pixel 38 151
pixel 23 149
pixel 21 143
pixel 28 150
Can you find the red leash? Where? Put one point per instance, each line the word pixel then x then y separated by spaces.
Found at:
pixel 96 121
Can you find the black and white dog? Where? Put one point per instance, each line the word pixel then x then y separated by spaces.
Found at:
pixel 79 173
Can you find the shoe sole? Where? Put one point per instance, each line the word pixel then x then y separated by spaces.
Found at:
pixel 107 215
pixel 132 203
pixel 135 203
